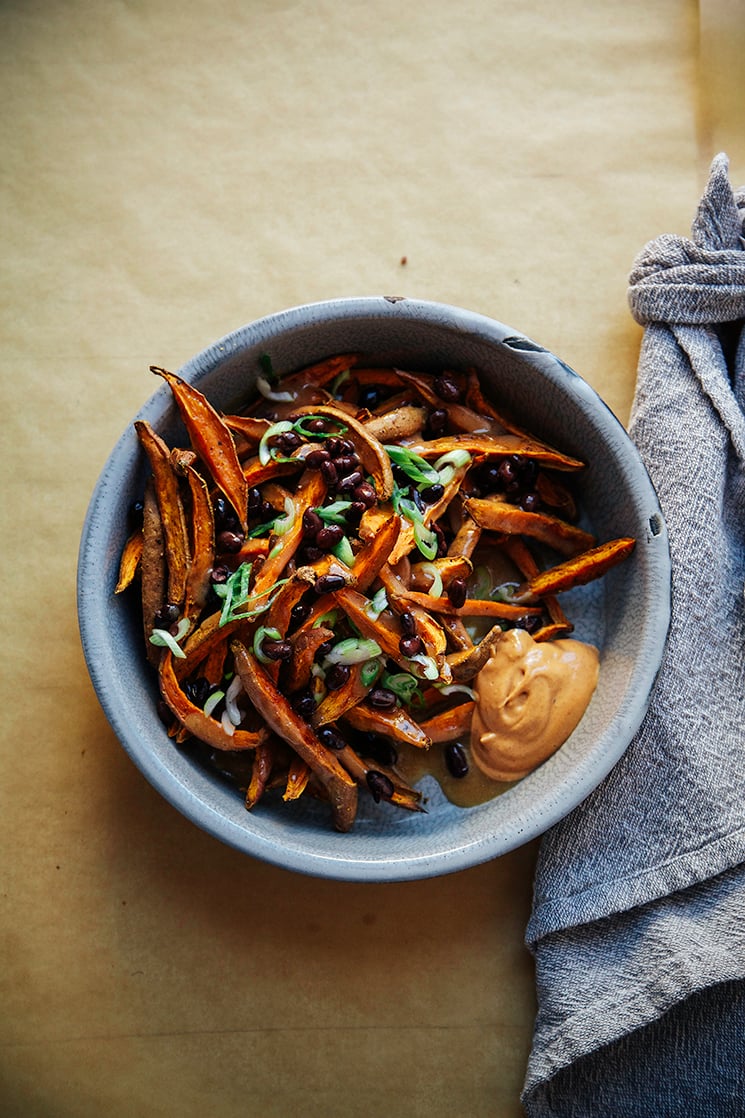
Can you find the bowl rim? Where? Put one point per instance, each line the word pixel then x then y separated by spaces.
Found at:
pixel 549 809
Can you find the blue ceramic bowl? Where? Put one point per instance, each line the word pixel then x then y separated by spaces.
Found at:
pixel 626 614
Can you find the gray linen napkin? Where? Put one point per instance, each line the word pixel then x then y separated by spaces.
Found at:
pixel 638 923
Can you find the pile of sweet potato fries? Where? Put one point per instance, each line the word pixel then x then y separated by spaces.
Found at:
pixel 308 576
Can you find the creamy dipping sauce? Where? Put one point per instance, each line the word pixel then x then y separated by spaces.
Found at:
pixel 529 698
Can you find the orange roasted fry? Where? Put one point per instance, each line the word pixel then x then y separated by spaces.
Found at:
pixel 336 703
pixel 450 724
pixel 193 719
pixel 375 553
pixel 467 663
pixel 396 791
pixel 202 539
pixel 211 438
pixel 578 570
pixel 395 724
pixel 500 516
pixel 152 568
pixel 310 492
pixel 129 564
pixel 260 772
pixel 171 510
pixel 305 644
pixel 298 775
pixel 498 446
pixel 374 459
pixel 280 717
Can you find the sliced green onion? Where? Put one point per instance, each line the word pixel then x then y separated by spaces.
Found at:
pixel 408 509
pixel 341 379
pixel 335 513
pixel 402 684
pixel 227 725
pixel 265 451
pixel 481 587
pixel 370 672
pixel 426 541
pixel 283 524
pixel 429 666
pixel 328 619
pixel 259 635
pixel 446 475
pixel 268 369
pixel 343 551
pixel 377 604
pixel 213 701
pixel 163 639
pixel 269 393
pixel 231 706
pixel 455 458
pixel 413 465
pixel 436 589
pixel 299 427
pixel 504 593
pixel 353 650
pixel 456 688
pixel 234 591
pixel 260 529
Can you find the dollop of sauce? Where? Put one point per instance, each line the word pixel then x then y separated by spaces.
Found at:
pixel 529 697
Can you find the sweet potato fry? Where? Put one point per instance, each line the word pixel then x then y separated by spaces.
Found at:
pixel 577 571
pixel 450 724
pixel 152 568
pixel 395 724
pixel 211 438
pixel 310 492
pixel 129 564
pixel 202 540
pixel 171 510
pixel 260 772
pixel 192 718
pixel 298 775
pixel 305 644
pixel 279 715
pixel 370 452
pixel 402 423
pixel 499 516
pixel 467 664
pixel 336 703
pixel 401 795
pixel 491 446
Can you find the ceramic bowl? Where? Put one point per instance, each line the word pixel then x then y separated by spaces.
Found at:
pixel 626 614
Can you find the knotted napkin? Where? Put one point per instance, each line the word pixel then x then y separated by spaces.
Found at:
pixel 638 922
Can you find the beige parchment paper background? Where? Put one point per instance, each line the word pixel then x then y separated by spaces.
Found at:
pixel 169 172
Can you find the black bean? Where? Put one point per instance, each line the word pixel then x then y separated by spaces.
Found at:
pixel 331 738
pixel 346 446
pixel 198 690
pixel 380 785
pixel 437 421
pixel 456 760
pixel 304 704
pixel 432 493
pixel 488 478
pixel 329 473
pixel 408 624
pixel 365 492
pixel 458 592
pixel 318 426
pixel 329 537
pixel 326 584
pixel 267 510
pixel 509 474
pixel 134 515
pixel 315 458
pixel 356 510
pixel 381 698
pixel 312 524
pixel 447 389
pixel 288 441
pixel 299 613
pixel 334 446
pixel 530 622
pixel 276 650
pixel 255 500
pixel 369 397
pixel 323 650
pixel 442 544
pixel 220 574
pixel 229 542
pixel 530 502
pixel 312 554
pixel 349 483
pixel 410 646
pixel 167 615
pixel 336 676
pixel 346 463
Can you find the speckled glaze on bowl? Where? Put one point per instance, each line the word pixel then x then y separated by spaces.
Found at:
pixel 627 614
